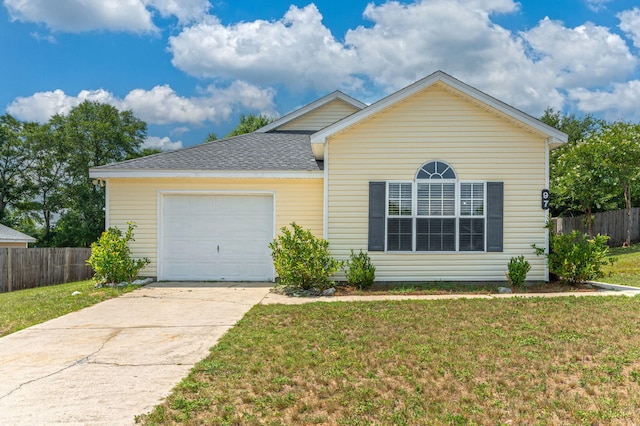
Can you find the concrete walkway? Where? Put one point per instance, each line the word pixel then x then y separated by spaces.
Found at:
pixel 601 289
pixel 109 362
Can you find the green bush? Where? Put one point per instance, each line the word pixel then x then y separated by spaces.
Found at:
pixel 517 270
pixel 359 270
pixel 302 260
pixel 576 258
pixel 111 257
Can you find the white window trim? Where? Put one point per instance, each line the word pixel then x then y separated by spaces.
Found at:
pixel 414 215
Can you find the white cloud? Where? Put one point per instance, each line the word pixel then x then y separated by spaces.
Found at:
pixel 80 15
pixel 630 24
pixel 42 105
pixel 185 10
pixel 164 143
pixel 531 69
pixel 298 49
pixel 597 5
pixel 581 56
pixel 179 131
pixel 44 37
pixel 160 105
pixel 620 102
pixel 550 64
pixel 111 15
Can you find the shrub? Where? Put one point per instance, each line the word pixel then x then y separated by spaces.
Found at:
pixel 302 260
pixel 111 257
pixel 359 270
pixel 575 257
pixel 517 270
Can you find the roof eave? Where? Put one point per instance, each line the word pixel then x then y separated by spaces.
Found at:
pixel 21 240
pixel 232 174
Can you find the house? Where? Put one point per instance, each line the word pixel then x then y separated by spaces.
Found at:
pixel 438 181
pixel 14 239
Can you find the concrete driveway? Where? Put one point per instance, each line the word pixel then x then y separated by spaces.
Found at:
pixel 119 358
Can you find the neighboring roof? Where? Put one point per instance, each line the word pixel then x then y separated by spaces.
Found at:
pixel 252 152
pixel 311 107
pixel 555 136
pixel 11 235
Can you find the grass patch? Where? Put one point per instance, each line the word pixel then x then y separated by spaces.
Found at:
pixel 626 268
pixel 24 308
pixel 507 361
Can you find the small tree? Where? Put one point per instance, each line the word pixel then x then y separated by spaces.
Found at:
pixel 111 257
pixel 302 260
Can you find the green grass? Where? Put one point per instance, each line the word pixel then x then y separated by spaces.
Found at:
pixel 24 308
pixel 537 361
pixel 626 268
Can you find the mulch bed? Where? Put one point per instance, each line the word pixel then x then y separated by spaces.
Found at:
pixel 488 288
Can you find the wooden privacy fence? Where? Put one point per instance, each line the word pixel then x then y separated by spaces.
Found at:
pixel 22 268
pixel 612 223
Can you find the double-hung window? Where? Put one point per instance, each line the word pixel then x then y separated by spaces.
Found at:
pixel 436 212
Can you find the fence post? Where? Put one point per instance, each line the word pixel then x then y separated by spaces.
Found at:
pixel 9 271
pixel 67 265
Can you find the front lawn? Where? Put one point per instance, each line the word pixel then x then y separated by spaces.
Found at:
pixel 566 360
pixel 24 308
pixel 626 268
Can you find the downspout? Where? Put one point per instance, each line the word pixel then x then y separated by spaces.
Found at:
pixel 546 212
pixel 325 224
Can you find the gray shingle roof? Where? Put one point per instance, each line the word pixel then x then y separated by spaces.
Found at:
pixel 278 151
pixel 9 234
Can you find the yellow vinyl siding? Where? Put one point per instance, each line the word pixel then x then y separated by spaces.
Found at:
pixel 13 245
pixel 436 124
pixel 321 117
pixel 136 199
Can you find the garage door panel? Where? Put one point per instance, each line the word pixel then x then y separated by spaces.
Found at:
pixel 216 237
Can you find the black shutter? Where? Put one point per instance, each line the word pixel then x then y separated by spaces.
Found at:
pixel 495 212
pixel 377 209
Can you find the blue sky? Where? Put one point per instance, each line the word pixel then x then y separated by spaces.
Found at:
pixel 191 67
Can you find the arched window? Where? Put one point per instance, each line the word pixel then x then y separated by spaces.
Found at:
pixel 436 212
pixel 436 170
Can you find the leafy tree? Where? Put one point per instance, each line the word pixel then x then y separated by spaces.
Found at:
pixel 249 123
pixel 14 162
pixel 144 152
pixel 580 181
pixel 211 137
pixel 47 175
pixel 576 128
pixel 622 158
pixel 92 134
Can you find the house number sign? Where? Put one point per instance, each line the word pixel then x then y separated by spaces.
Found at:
pixel 545 199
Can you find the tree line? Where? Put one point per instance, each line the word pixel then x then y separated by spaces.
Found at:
pixel 597 170
pixel 45 188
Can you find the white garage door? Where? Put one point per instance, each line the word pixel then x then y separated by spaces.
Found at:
pixel 216 237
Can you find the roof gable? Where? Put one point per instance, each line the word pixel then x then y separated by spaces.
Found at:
pixel 556 137
pixel 11 235
pixel 333 107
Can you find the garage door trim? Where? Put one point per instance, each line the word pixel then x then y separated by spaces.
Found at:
pixel 160 205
